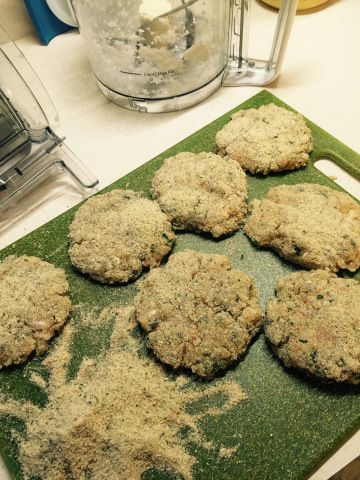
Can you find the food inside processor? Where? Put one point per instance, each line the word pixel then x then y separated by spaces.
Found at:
pixel 155 49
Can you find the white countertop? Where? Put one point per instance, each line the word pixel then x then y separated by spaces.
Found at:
pixel 320 79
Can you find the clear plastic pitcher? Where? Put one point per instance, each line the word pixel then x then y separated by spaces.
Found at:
pixel 165 55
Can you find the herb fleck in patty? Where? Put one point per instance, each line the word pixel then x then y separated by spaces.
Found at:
pixel 34 305
pixel 308 224
pixel 202 192
pixel 199 313
pixel 114 236
pixel 313 324
pixel 267 139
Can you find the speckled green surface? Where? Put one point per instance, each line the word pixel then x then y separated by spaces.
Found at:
pixel 289 424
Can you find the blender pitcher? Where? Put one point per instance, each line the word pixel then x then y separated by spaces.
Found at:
pixel 166 55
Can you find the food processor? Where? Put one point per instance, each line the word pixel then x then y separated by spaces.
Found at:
pixel 30 150
pixel 166 55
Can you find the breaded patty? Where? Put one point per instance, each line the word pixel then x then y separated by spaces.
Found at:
pixel 34 305
pixel 114 236
pixel 313 324
pixel 198 312
pixel 308 224
pixel 202 192
pixel 266 139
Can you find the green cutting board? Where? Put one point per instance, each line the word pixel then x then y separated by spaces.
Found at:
pixel 289 425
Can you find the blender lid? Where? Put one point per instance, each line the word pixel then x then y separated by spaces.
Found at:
pixel 30 150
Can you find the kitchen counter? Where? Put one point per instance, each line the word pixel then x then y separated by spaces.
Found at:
pixel 320 79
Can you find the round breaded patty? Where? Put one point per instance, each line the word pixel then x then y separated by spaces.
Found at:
pixel 202 192
pixel 34 305
pixel 314 324
pixel 198 312
pixel 115 235
pixel 308 224
pixel 266 139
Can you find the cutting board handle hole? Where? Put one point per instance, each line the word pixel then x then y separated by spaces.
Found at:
pixel 338 175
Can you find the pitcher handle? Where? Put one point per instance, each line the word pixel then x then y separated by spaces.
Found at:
pixel 242 70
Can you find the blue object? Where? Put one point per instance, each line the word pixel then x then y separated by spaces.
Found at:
pixel 46 24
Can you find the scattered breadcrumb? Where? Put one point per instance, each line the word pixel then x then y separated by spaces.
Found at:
pixel 227 452
pixel 38 380
pixel 120 416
